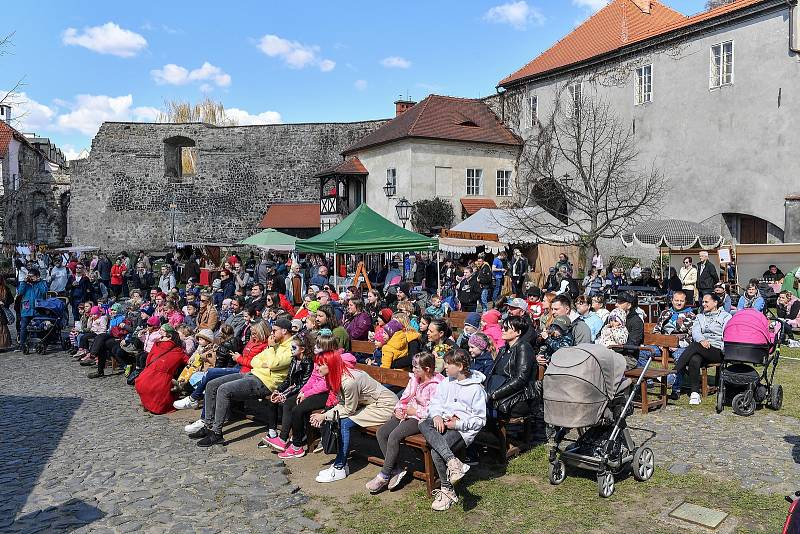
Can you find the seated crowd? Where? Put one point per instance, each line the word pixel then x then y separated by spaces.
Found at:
pixel 289 346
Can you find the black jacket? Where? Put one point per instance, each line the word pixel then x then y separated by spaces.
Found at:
pixel 141 281
pixel 224 358
pixel 512 378
pixel 485 278
pixel 635 327
pixel 791 313
pixel 299 373
pixel 708 277
pixel 468 291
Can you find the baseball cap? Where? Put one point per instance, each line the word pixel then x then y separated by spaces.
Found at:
pixel 517 303
pixel 284 323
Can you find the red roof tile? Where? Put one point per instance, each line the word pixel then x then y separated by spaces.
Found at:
pixel 472 205
pixel 619 24
pixel 349 166
pixel 442 117
pixel 305 215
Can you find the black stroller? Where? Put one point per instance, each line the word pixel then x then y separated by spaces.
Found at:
pixel 46 326
pixel 749 340
pixel 585 388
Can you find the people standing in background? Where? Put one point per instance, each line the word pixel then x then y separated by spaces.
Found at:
pixel 519 270
pixel 707 275
pixel 498 271
pixel 688 276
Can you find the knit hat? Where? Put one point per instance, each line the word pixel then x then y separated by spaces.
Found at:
pixel 313 306
pixel 473 319
pixel 166 327
pixel 206 334
pixel 628 296
pixel 297 325
pixel 562 323
pixel 478 342
pixel 386 315
pixel 153 321
pixel 118 307
pixel 405 287
pixel 392 327
pixel 96 310
pixel 147 310
pixel 491 317
pixel 618 315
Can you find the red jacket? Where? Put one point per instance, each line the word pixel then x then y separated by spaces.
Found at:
pixel 154 384
pixel 117 271
pixel 250 351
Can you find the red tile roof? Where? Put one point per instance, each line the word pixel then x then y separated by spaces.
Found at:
pixel 6 134
pixel 305 215
pixel 472 205
pixel 442 117
pixel 349 166
pixel 619 24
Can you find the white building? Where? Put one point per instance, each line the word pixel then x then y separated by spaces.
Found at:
pixel 456 149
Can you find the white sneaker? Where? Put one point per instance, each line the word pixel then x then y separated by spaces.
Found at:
pixel 694 399
pixel 184 403
pixel 456 470
pixel 194 427
pixel 332 474
pixel 443 499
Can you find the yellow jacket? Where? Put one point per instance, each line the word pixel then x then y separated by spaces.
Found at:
pixel 277 360
pixel 396 347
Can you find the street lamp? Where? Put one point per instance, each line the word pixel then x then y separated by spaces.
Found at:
pixel 403 210
pixel 173 210
pixel 390 188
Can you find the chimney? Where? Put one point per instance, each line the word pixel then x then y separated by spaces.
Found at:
pixel 5 113
pixel 791 227
pixel 644 5
pixel 401 106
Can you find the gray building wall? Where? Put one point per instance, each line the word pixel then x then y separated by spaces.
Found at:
pixel 121 192
pixel 725 150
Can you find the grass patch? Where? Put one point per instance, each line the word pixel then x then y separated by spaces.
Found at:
pixel 522 500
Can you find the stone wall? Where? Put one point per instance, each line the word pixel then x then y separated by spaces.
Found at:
pixel 121 194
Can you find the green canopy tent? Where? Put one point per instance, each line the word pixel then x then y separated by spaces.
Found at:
pixel 365 231
pixel 271 239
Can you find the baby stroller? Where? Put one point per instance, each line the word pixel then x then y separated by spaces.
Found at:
pixel 46 326
pixel 749 341
pixel 585 388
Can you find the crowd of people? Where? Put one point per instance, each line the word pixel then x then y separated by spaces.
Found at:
pixel 283 335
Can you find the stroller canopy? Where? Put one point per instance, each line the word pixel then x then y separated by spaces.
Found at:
pixel 52 306
pixel 579 383
pixel 748 326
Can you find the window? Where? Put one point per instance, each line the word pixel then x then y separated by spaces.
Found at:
pixel 721 65
pixel 533 103
pixel 503 181
pixel 15 183
pixel 576 94
pixel 391 177
pixel 644 84
pixel 180 158
pixel 474 182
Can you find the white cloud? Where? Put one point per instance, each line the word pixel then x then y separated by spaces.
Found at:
pixel 395 62
pixel 90 111
pixel 172 74
pixel 361 85
pixel 517 14
pixel 106 39
pixel 27 114
pixel 71 153
pixel 296 55
pixel 146 114
pixel 593 5
pixel 244 118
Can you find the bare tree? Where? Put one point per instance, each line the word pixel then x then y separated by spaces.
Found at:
pixel 11 97
pixel 581 166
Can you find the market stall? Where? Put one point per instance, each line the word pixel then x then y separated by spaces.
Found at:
pixel 270 239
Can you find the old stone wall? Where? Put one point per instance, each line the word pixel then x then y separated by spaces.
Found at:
pixel 120 195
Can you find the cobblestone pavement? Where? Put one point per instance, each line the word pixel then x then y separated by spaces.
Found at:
pixel 761 452
pixel 82 456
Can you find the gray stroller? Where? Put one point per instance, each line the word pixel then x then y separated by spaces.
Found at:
pixel 585 388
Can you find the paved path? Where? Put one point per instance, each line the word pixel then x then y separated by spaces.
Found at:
pixel 80 455
pixel 761 452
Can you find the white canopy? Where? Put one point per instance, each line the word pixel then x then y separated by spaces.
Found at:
pixel 468 246
pixel 506 224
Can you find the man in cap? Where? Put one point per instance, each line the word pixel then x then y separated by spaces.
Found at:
pixel 517 307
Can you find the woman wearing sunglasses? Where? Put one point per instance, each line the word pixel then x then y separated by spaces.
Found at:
pixel 688 276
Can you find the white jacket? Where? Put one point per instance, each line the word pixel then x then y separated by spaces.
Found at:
pixel 465 399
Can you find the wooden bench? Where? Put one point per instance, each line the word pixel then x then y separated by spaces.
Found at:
pixel 456 321
pixel 665 343
pixel 507 449
pixel 396 377
pixel 362 347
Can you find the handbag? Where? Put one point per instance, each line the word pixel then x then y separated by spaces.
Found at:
pixel 331 432
pixel 507 288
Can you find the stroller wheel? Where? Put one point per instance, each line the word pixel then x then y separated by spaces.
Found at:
pixel 40 348
pixel 776 397
pixel 643 464
pixel 743 404
pixel 720 398
pixel 605 484
pixel 26 349
pixel 557 472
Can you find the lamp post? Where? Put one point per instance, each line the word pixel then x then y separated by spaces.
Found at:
pixel 403 211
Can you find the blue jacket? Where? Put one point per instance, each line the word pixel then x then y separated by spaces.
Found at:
pixel 757 303
pixel 30 293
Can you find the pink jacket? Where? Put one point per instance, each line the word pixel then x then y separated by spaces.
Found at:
pixel 316 384
pixel 495 334
pixel 418 395
pixel 148 340
pixel 100 325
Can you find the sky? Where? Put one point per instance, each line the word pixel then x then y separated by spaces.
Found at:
pixel 84 62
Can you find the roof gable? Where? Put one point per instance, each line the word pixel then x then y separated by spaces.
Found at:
pixel 442 117
pixel 619 24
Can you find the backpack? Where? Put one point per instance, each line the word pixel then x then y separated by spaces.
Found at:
pixel 574 288
pixel 485 276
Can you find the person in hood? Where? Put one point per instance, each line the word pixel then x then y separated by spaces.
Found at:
pixel 558 335
pixel 472 324
pixel 490 325
pixel 456 413
pixel 408 412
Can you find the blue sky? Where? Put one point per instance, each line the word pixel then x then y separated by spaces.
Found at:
pixel 84 61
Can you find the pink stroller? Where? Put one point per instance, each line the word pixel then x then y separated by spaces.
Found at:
pixel 750 340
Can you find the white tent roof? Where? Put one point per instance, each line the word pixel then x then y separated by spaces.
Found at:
pixel 506 224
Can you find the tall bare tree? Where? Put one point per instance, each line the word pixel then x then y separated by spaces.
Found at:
pixel 582 166
pixel 11 97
